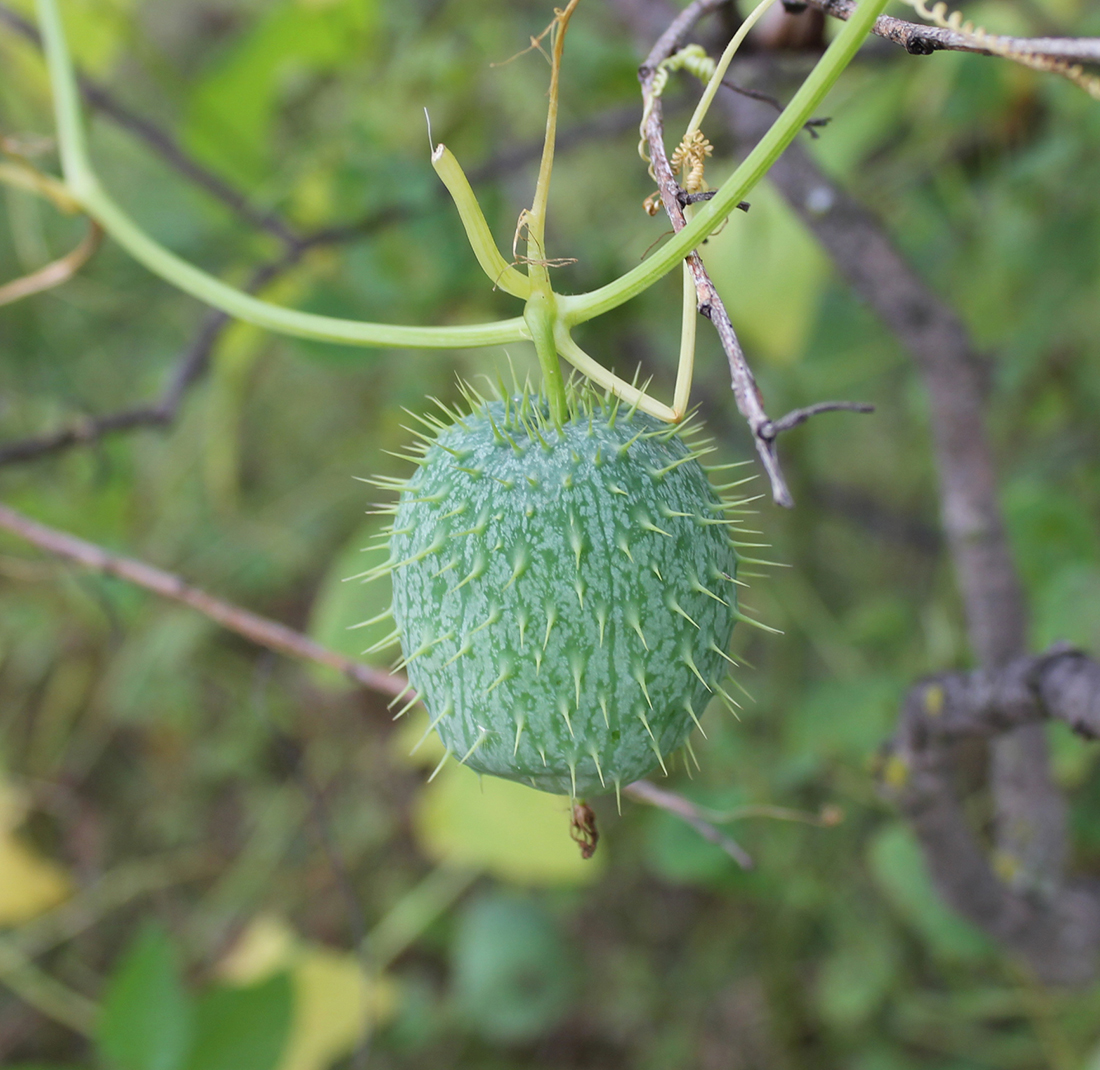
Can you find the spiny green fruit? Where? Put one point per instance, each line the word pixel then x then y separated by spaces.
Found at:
pixel 564 597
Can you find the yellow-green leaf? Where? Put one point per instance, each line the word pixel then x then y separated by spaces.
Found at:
pixel 770 273
pixel 335 1002
pixel 513 832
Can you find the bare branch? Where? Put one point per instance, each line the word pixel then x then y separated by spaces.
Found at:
pixel 194 360
pixel 47 996
pixel 189 369
pixel 746 393
pixel 686 810
pixel 257 629
pixel 921 39
pixel 811 126
pixel 1031 828
pixel 169 149
pixel 800 416
pixel 1031 821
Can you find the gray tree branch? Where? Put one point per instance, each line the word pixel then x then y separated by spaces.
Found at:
pixel 1053 925
pixel 1030 812
pixel 287 642
pixel 1030 824
pixel 920 39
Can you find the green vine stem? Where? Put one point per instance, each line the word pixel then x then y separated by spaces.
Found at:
pixel 685 366
pixel 477 230
pixel 582 307
pixel 542 320
pixel 547 317
pixel 720 68
pixel 595 371
pixel 82 183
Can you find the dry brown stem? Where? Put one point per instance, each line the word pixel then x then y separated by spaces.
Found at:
pixel 260 630
pixel 56 271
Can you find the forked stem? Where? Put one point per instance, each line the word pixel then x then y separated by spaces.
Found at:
pixel 595 371
pixel 685 366
pixel 477 230
pixel 541 317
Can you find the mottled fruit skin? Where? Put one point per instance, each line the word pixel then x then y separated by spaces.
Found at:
pixel 565 597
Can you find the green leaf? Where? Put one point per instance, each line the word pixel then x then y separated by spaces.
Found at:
pixel 146 1018
pixel 678 854
pixel 232 109
pixel 1050 530
pixel 771 273
pixel 242 1028
pixel 855 980
pixel 1068 608
pixel 512 972
pixel 843 719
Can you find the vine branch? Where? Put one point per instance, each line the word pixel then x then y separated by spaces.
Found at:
pixel 687 811
pixel 55 272
pixel 1030 821
pixel 282 640
pixel 750 402
pixel 164 144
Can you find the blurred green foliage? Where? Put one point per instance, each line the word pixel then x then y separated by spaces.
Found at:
pixel 139 735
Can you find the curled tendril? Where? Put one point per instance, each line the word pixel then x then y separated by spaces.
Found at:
pixel 691 155
pixel 691 58
pixel 1004 46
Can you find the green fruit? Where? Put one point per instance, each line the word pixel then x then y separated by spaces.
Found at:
pixel 564 597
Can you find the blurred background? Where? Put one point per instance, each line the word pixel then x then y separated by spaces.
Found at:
pixel 212 857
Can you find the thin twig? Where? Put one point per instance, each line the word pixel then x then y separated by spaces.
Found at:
pixel 193 362
pixel 56 271
pixel 42 992
pixel 811 126
pixel 257 629
pixel 115 888
pixel 686 810
pixel 800 416
pixel 168 147
pixel 189 368
pixel 828 817
pixel 292 756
